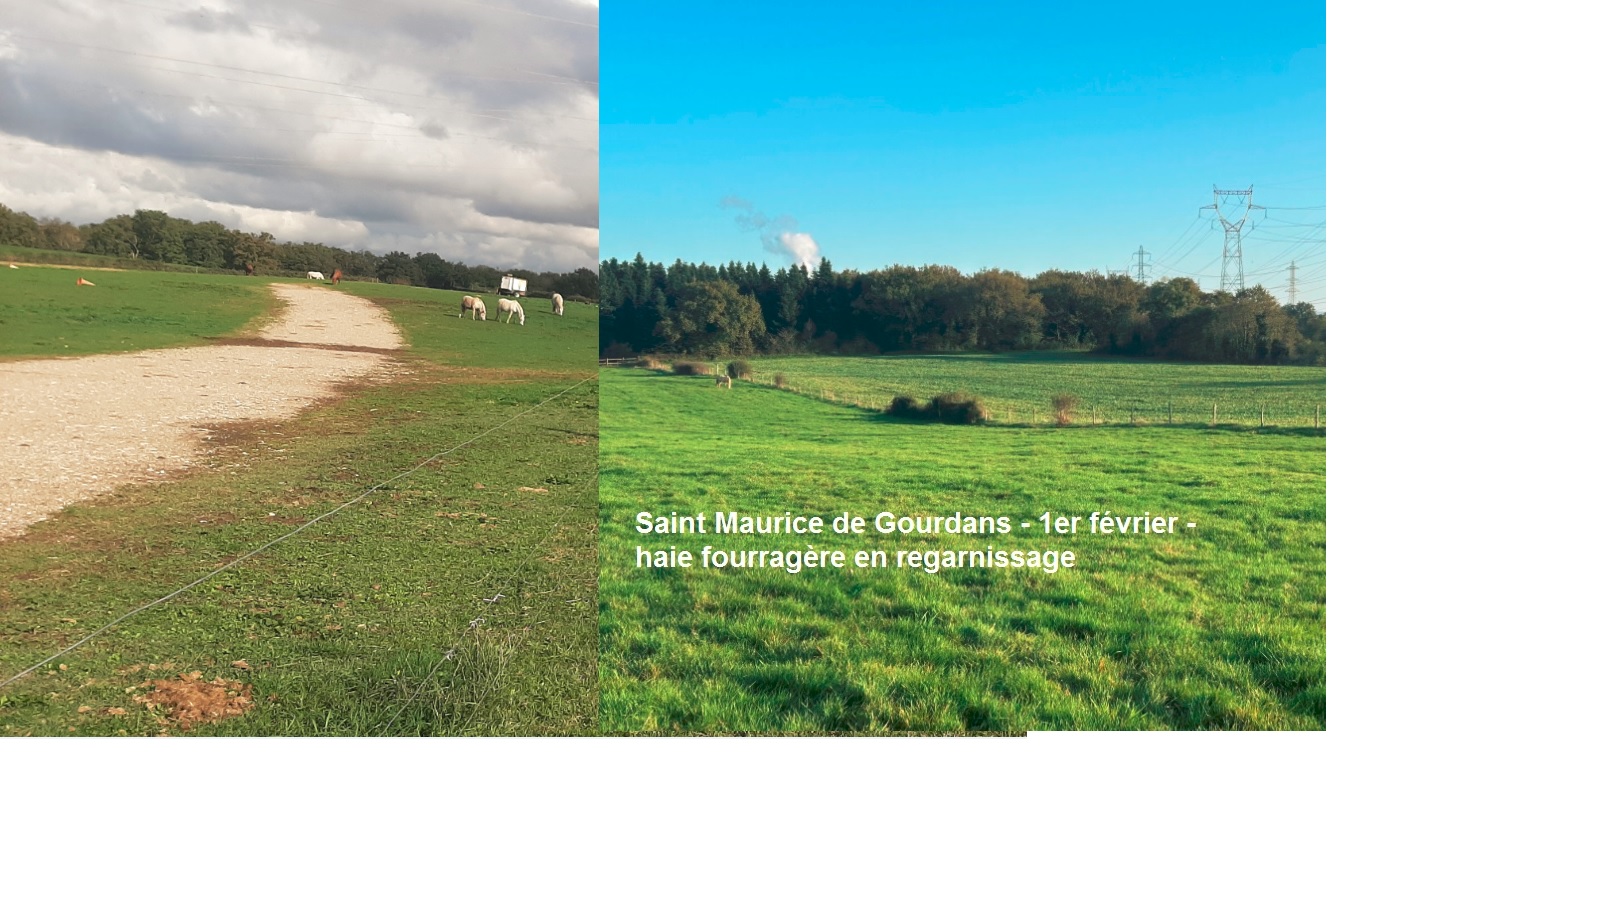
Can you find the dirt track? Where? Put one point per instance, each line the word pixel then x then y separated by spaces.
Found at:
pixel 71 429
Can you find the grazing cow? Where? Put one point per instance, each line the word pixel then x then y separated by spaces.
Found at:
pixel 315 276
pixel 473 305
pixel 724 380
pixel 337 274
pixel 557 305
pixel 249 268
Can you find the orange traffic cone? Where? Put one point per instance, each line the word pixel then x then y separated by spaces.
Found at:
pixel 82 282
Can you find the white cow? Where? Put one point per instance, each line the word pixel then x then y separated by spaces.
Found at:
pixel 473 305
pixel 315 276
pixel 511 308
pixel 557 305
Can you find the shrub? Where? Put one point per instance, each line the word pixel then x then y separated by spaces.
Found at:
pixel 1065 405
pixel 905 407
pixel 958 409
pixel 740 369
pixel 691 368
pixel 780 382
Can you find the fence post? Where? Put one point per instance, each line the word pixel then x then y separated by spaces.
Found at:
pixel 1263 422
pixel 1316 417
pixel 1169 411
pixel 1213 413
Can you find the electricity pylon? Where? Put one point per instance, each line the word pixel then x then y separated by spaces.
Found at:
pixel 1232 249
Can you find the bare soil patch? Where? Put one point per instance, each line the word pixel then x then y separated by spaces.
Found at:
pixel 73 429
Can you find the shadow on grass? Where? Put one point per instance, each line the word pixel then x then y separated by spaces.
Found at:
pixel 882 418
pixel 812 693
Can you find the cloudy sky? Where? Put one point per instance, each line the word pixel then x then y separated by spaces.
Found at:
pixel 465 128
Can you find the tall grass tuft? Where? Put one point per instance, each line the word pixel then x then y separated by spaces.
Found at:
pixel 1065 405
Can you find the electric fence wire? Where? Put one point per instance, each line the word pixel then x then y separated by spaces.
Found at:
pixel 479 621
pixel 283 537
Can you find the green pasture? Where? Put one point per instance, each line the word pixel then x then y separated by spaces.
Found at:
pixel 547 343
pixel 44 312
pixel 1220 627
pixel 458 599
pixel 345 627
pixel 1018 387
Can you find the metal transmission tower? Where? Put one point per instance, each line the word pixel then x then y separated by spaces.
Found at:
pixel 1232 249
pixel 1142 254
pixel 1293 292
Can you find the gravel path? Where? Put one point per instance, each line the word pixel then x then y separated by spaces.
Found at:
pixel 71 429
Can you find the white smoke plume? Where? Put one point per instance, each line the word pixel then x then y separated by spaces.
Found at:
pixel 778 234
pixel 803 247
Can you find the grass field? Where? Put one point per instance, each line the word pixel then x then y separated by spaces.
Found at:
pixel 1219 627
pixel 43 311
pixel 1018 387
pixel 371 621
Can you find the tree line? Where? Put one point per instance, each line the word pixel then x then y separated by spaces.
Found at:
pixel 153 235
pixel 741 309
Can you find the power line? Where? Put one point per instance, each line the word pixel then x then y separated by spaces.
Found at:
pixel 520 12
pixel 1281 225
pixel 205 13
pixel 1195 244
pixel 268 162
pixel 487 113
pixel 1180 238
pixel 1195 275
pixel 196 62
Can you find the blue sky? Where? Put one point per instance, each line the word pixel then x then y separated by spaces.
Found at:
pixel 1009 135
